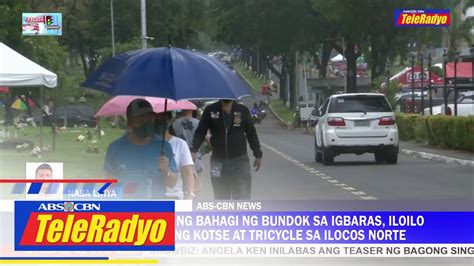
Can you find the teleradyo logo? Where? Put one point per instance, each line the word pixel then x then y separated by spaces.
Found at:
pixel 69 206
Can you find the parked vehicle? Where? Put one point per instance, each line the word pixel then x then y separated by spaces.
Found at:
pixel 405 105
pixel 75 115
pixel 465 106
pixel 356 123
pixel 305 109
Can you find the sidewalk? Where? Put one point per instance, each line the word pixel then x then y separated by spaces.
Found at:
pixel 428 152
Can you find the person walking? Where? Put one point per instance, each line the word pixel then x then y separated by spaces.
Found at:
pixel 184 188
pixel 231 127
pixel 140 157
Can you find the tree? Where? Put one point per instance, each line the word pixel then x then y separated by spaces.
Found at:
pixel 457 31
pixel 270 28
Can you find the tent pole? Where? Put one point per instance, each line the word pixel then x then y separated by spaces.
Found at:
pixel 41 120
pixel 52 119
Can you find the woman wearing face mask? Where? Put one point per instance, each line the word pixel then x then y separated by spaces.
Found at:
pixel 140 157
pixel 184 188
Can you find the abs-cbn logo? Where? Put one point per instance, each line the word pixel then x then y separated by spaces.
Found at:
pixel 69 206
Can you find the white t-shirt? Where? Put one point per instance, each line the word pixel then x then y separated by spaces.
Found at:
pixel 182 157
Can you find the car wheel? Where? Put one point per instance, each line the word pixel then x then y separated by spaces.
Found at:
pixel 391 156
pixel 327 156
pixel 317 152
pixel 379 157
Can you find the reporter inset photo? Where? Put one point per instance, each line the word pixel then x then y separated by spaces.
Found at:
pixel 45 170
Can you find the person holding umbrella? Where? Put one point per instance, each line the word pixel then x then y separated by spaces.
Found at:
pixel 140 156
pixel 231 127
pixel 179 74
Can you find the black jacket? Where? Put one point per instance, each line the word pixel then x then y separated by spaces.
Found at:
pixel 230 143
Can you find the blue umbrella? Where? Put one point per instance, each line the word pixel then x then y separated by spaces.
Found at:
pixel 167 72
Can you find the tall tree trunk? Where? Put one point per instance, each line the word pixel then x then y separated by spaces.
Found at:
pixel 262 61
pixel 326 55
pixel 245 56
pixel 351 75
pixel 254 62
pixel 379 55
pixel 283 80
pixel 293 77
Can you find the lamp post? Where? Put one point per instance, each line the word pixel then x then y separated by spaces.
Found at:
pixel 445 89
pixel 471 51
pixel 143 24
pixel 429 84
pixel 413 55
pixel 456 55
pixel 422 77
pixel 112 27
pixel 388 74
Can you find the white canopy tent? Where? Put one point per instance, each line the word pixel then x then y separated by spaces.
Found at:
pixel 19 71
pixel 337 58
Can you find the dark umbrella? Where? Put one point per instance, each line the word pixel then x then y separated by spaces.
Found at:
pixel 167 72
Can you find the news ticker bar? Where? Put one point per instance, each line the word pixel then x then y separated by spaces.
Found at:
pixel 317 250
pixel 322 227
pixel 7 205
pixel 333 205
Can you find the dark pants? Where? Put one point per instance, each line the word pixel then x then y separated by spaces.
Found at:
pixel 235 180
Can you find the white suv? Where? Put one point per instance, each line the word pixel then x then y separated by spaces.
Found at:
pixel 356 123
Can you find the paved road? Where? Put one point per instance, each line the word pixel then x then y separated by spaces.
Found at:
pixel 290 172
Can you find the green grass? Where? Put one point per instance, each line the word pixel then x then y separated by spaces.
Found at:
pixel 77 162
pixel 282 110
pixel 255 82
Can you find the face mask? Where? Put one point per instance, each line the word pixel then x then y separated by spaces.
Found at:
pixel 161 127
pixel 144 131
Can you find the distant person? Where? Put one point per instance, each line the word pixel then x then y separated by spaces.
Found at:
pixel 265 89
pixel 184 188
pixel 231 127
pixel 140 157
pixel 184 128
pixel 254 111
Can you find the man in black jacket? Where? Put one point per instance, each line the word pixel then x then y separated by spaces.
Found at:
pixel 231 127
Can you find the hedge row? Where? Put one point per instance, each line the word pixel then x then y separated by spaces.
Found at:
pixel 454 132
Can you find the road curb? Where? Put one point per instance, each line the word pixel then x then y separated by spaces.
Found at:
pixel 283 123
pixel 437 158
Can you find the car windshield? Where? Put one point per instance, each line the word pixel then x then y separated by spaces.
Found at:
pixel 356 104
